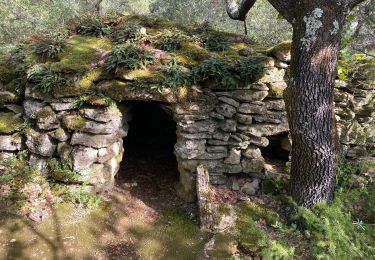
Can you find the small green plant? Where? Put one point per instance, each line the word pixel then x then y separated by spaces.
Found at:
pixel 48 45
pixel 176 75
pixel 129 57
pixel 91 25
pixel 217 71
pixel 44 79
pixel 345 171
pixel 62 173
pixel 126 32
pixel 170 40
pixel 250 69
pixel 215 42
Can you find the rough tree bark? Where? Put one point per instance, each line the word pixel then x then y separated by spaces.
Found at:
pixel 317 28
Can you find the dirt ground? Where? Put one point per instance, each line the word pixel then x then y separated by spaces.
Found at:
pixel 142 218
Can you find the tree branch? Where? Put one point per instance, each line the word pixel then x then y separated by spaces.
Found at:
pixel 353 3
pixel 239 11
pixel 285 8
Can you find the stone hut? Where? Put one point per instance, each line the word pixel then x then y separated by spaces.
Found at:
pixel 71 111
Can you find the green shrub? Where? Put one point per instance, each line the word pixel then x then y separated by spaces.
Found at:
pixel 126 32
pixel 215 42
pixel 44 79
pixel 333 235
pixel 91 25
pixel 170 40
pixel 250 69
pixel 48 45
pixel 62 173
pixel 176 75
pixel 345 171
pixel 129 57
pixel 217 71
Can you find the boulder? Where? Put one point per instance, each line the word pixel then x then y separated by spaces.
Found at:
pixel 40 143
pixel 96 141
pixel 225 110
pixel 10 142
pixel 190 149
pixel 234 157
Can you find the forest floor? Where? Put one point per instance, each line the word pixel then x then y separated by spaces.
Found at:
pixel 142 218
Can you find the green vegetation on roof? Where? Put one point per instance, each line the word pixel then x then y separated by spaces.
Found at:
pixel 82 54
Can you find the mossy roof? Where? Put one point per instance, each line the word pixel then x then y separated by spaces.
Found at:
pixel 83 58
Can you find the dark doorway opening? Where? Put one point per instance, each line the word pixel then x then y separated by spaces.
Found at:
pixel 149 169
pixel 276 150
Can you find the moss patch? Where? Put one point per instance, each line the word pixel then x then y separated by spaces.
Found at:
pixel 191 53
pixel 6 73
pixel 81 54
pixel 174 235
pixel 88 80
pixel 10 123
pixel 250 237
pixel 283 46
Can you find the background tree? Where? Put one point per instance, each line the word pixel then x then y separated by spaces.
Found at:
pixel 317 29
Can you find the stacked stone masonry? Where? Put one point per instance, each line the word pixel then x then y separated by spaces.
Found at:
pixel 224 131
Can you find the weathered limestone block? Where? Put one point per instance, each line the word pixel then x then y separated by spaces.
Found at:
pixel 78 123
pixel 281 65
pixel 40 143
pixel 14 108
pixel 64 151
pixel 217 115
pixel 264 129
pixel 83 157
pixel 62 106
pixel 193 108
pixel 226 110
pixel 218 178
pixel 190 149
pixel 188 182
pixel 220 135
pixel 212 156
pixel 244 95
pixel 40 163
pixel 228 125
pixel 234 157
pixel 96 141
pixel 46 119
pixel 252 165
pixel 251 188
pixel 229 101
pixel 252 152
pixel 271 117
pixel 196 117
pixel 10 142
pixel 258 86
pixel 286 143
pixel 103 115
pixel 33 93
pixel 244 119
pixel 216 149
pixel 252 108
pixel 60 134
pixel 277 105
pixel 194 135
pixel 276 89
pixel 272 74
pixel 32 107
pixel 105 154
pixel 209 126
pixel 8 97
pixel 205 199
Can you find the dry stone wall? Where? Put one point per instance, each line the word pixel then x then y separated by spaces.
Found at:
pixel 81 142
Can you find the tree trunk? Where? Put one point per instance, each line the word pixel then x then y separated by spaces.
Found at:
pixel 309 103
